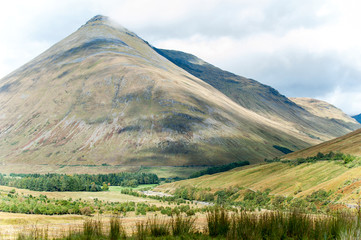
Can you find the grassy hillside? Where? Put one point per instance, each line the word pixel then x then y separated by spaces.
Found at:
pixel 348 144
pixel 284 179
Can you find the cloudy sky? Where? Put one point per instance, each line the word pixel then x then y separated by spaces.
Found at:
pixel 304 48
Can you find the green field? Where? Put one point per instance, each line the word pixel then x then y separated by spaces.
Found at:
pixel 142 186
pixel 170 171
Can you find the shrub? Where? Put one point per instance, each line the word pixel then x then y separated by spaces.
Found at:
pixel 87 211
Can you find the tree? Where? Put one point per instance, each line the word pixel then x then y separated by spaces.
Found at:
pixel 105 187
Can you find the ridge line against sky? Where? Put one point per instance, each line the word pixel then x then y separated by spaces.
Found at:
pixel 301 48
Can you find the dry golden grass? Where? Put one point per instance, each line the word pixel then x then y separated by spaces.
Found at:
pixel 12 223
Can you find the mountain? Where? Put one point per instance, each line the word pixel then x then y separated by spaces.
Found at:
pixel 348 144
pixel 357 118
pixel 267 101
pixel 104 97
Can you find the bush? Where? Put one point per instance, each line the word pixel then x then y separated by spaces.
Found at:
pixel 87 211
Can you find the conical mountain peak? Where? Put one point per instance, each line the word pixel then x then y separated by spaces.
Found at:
pixel 98 18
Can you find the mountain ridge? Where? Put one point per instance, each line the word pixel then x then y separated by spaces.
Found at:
pixel 263 99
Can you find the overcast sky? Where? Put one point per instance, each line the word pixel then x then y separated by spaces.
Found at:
pixel 306 48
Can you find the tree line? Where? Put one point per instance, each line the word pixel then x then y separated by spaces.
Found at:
pixel 220 168
pixel 348 160
pixel 53 182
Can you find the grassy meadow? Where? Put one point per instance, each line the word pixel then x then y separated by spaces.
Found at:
pixel 245 201
pixel 131 209
pixel 171 171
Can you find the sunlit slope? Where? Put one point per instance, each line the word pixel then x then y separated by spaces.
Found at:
pixel 324 110
pixel 103 96
pixel 284 179
pixel 348 144
pixel 303 114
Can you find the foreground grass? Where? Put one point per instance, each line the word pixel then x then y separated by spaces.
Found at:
pixel 222 224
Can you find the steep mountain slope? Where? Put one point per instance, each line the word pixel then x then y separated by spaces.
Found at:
pixel 104 96
pixel 357 118
pixel 323 109
pixel 348 144
pixel 263 99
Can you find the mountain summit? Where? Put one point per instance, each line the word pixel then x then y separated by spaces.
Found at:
pixel 104 96
pixel 98 18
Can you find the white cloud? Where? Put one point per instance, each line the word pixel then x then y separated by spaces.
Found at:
pixel 348 100
pixel 302 48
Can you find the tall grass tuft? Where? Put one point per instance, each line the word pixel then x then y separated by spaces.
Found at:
pixel 36 233
pixel 218 222
pixel 142 231
pixel 117 230
pixel 182 225
pixel 157 227
pixel 92 229
pixel 293 225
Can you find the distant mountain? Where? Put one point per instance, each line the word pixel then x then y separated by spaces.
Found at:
pixel 267 101
pixel 357 118
pixel 325 110
pixel 104 96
